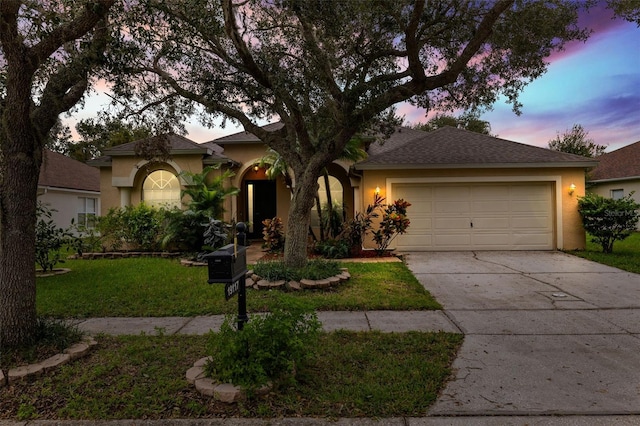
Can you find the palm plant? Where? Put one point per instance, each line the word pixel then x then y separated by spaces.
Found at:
pixel 207 195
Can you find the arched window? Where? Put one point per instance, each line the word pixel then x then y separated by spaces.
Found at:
pixel 335 189
pixel 161 189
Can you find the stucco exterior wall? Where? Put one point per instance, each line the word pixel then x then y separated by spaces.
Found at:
pixel 568 224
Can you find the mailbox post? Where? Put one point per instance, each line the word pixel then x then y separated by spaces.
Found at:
pixel 228 266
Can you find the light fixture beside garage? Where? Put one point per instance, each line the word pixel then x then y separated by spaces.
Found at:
pixel 572 188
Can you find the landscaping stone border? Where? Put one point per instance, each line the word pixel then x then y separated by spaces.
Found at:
pixel 73 352
pixel 256 282
pixel 223 392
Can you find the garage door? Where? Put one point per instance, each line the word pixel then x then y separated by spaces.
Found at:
pixel 516 216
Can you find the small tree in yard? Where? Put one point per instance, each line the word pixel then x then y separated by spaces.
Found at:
pixel 608 220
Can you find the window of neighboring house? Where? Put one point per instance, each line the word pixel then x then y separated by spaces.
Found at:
pixel 161 189
pixel 335 187
pixel 87 209
pixel 617 194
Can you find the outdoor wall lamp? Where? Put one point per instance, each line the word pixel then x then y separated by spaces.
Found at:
pixel 377 190
pixel 572 188
pixel 256 167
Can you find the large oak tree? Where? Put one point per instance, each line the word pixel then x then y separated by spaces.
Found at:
pixel 48 50
pixel 327 68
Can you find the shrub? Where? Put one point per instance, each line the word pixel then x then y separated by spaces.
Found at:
pixel 49 239
pixel 183 230
pixel 111 229
pixel 216 234
pixel 273 235
pixel 333 249
pixel 608 220
pixel 358 227
pixel 315 269
pixel 394 222
pixel 141 225
pixel 51 336
pixel 268 349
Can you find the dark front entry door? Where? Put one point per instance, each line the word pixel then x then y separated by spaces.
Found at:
pixel 261 204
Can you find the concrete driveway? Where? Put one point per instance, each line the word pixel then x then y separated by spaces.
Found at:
pixel 546 333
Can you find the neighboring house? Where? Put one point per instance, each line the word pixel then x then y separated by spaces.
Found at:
pixel 468 191
pixel 618 173
pixel 69 187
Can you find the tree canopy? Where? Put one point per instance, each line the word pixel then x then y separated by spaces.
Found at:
pixel 467 121
pixel 576 141
pixel 326 69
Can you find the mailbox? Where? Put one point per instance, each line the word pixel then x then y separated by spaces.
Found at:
pixel 227 264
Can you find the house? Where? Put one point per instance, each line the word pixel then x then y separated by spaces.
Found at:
pixel 468 191
pixel 618 174
pixel 70 188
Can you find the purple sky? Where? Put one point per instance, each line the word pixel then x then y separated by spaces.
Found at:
pixel 595 84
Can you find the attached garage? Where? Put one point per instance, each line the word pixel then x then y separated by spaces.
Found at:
pixel 478 216
pixel 470 191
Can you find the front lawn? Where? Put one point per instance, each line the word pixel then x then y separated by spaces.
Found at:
pixel 626 253
pixel 142 377
pixel 147 287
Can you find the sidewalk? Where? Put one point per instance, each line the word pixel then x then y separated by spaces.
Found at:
pixel 385 321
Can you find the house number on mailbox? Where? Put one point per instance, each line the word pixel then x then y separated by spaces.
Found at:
pixel 230 289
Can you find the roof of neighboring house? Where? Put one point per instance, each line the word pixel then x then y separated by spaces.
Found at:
pixel 212 153
pixel 246 137
pixel 449 147
pixel 60 171
pixel 621 164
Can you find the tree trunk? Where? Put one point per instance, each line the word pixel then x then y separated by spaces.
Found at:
pixel 18 189
pixel 20 160
pixel 295 248
pixel 319 211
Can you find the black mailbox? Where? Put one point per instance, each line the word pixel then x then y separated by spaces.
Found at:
pixel 227 264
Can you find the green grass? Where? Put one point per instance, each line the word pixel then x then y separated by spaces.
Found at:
pixel 626 253
pixel 148 287
pixel 142 377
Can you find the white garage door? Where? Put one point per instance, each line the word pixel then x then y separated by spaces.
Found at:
pixel 482 216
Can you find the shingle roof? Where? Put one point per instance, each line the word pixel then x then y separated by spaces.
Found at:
pixel 60 171
pixel 456 148
pixel 179 145
pixel 623 163
pixel 212 153
pixel 247 137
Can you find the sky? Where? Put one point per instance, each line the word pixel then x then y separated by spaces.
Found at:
pixel 595 84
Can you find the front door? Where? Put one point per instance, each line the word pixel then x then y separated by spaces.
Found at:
pixel 261 204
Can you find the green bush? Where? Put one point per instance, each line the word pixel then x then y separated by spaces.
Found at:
pixel 268 349
pixel 142 226
pixel 139 226
pixel 608 220
pixel 51 336
pixel 315 269
pixel 183 230
pixel 49 239
pixel 333 249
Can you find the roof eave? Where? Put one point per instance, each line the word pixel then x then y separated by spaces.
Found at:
pixel 558 165
pixel 618 179
pixel 214 161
